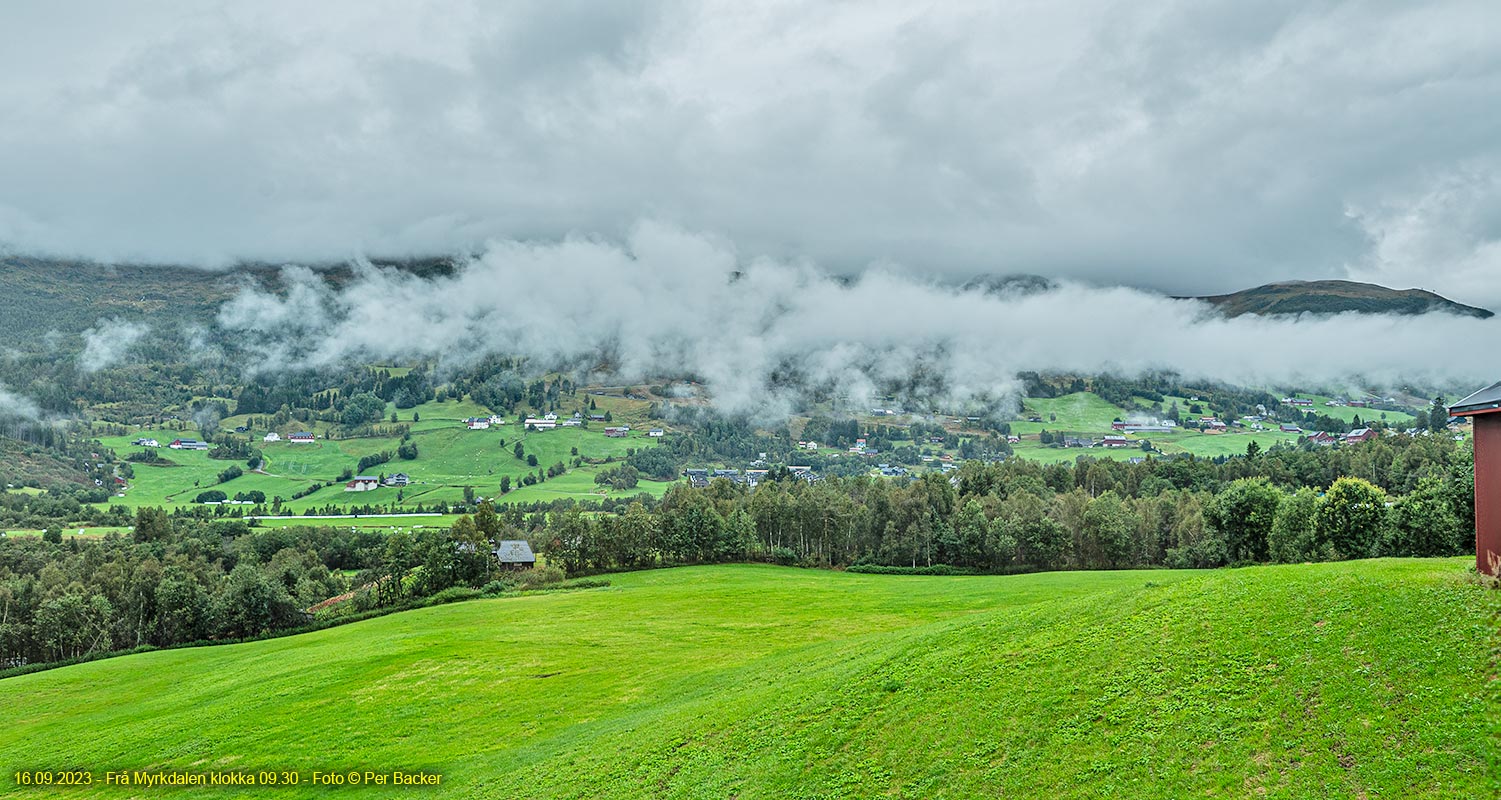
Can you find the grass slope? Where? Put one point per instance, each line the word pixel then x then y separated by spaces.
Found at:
pixel 1336 680
pixel 450 458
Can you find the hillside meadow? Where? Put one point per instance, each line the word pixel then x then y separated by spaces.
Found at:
pixel 450 458
pixel 1351 679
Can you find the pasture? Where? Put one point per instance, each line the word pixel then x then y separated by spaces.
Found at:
pixel 1353 679
pixel 450 458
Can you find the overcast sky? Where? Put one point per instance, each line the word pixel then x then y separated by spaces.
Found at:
pixel 1192 147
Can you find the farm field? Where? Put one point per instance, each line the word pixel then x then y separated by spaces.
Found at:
pixel 1080 412
pixel 450 458
pixel 1333 680
pixel 70 532
pixel 1349 414
pixel 1086 414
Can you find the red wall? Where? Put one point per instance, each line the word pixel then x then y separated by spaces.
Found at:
pixel 1488 493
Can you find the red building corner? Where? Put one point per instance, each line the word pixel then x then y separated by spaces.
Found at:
pixel 1484 409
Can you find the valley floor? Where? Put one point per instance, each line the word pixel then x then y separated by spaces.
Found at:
pixel 1332 680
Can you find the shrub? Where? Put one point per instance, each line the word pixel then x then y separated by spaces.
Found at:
pixel 1350 518
pixel 453 594
pixel 499 586
pixel 538 577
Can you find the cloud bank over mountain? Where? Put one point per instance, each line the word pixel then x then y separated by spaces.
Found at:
pixel 763 334
pixel 1189 147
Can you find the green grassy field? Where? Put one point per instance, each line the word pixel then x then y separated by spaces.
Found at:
pixel 1348 414
pixel 1314 681
pixel 1081 412
pixel 450 457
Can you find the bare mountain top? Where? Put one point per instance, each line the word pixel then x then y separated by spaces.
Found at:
pixel 1334 297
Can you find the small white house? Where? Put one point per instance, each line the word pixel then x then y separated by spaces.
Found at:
pixel 301 437
pixel 363 483
pixel 655 433
pixel 543 423
pixel 271 437
pixel 477 423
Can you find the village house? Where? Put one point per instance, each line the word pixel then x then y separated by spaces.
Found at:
pixel 271 437
pixel 655 433
pixel 515 554
pixel 477 423
pixel 617 432
pixel 1012 438
pixel 147 443
pixel 1320 438
pixel 399 479
pixel 188 444
pixel 1116 440
pixel 572 422
pixel 1360 435
pixel 543 423
pixel 1297 401
pixel 301 437
pixel 363 483
pixel 1288 427
pixel 698 478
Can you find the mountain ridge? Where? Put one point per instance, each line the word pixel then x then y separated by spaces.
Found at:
pixel 1336 297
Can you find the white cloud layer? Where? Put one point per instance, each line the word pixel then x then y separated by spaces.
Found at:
pixel 758 332
pixel 1193 147
pixel 107 342
pixel 15 406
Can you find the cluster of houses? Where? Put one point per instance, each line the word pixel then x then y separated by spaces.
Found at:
pixel 188 444
pixel 699 478
pixel 365 483
pixel 1147 426
pixel 300 437
pixel 546 422
pixel 550 421
pixel 1338 402
pixel 1356 436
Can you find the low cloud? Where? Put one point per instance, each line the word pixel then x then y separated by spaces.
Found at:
pixel 764 335
pixel 15 406
pixel 108 342
pixel 1194 147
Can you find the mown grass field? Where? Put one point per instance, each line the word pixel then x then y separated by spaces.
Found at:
pixel 1359 679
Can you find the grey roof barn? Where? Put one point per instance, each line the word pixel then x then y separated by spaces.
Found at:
pixel 515 553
